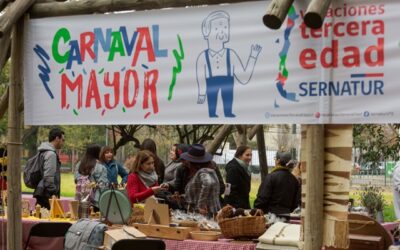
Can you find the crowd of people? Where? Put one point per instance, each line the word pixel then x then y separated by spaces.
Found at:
pixel 190 174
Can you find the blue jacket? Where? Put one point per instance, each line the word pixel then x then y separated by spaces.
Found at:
pixel 113 170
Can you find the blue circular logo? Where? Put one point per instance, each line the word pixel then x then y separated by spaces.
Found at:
pixel 366 113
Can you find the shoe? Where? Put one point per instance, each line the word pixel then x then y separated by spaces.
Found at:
pixel 214 116
pixel 230 115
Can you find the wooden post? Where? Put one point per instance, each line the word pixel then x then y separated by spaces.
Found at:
pixel 276 13
pixel 316 12
pixel 14 213
pixel 262 155
pixel 313 186
pixel 338 161
pixel 16 10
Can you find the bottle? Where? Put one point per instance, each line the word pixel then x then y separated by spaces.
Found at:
pixel 37 211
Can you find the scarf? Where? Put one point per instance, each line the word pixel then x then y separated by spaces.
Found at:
pixel 148 179
pixel 244 165
pixel 279 167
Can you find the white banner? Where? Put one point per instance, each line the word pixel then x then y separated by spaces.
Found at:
pixel 216 64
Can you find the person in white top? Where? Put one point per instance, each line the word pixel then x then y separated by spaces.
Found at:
pixel 218 66
pixel 396 190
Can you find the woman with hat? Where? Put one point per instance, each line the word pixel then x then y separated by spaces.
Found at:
pixel 202 190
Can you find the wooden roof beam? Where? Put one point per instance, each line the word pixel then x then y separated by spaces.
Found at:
pixel 82 7
pixel 14 12
pixel 316 12
pixel 276 13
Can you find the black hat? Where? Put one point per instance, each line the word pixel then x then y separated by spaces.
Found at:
pixel 284 157
pixel 196 153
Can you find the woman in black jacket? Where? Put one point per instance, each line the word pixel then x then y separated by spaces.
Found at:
pixel 238 175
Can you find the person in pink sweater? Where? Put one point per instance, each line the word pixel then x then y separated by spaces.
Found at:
pixel 142 180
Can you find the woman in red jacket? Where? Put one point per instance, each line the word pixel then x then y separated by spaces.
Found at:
pixel 142 180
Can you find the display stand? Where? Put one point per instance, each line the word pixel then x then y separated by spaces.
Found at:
pixel 155 213
pixel 56 210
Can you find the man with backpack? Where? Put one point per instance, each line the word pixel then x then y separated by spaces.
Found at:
pixel 49 185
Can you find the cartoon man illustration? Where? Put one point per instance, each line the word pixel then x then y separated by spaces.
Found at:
pixel 218 66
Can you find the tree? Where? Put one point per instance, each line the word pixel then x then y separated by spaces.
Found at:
pixel 374 143
pixel 190 134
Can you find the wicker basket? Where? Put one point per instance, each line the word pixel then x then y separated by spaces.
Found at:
pixel 248 226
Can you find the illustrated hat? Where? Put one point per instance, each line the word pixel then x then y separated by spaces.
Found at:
pixel 196 153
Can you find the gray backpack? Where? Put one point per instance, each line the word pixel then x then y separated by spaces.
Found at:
pixel 85 234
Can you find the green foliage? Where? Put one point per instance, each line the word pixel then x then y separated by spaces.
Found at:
pixel 77 137
pixel 374 143
pixel 372 198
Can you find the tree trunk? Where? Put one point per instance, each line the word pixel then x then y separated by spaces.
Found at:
pixel 253 131
pixel 219 138
pixel 30 140
pixel 241 138
pixel 262 156
pixel 14 215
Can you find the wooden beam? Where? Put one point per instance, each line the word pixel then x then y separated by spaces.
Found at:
pixel 101 6
pixel 314 186
pixel 14 145
pixel 13 13
pixel 316 12
pixel 219 138
pixel 5 50
pixel 276 13
pixel 4 103
pixel 3 4
pixel 253 131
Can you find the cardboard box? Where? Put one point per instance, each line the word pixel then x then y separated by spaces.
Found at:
pixel 114 235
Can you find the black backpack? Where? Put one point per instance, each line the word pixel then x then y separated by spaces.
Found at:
pixel 33 171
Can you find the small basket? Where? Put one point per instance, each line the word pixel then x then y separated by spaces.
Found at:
pixel 246 227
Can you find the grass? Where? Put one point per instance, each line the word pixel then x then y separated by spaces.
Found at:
pixel 67 185
pixel 68 190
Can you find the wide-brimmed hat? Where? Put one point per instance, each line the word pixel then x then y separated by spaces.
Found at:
pixel 196 153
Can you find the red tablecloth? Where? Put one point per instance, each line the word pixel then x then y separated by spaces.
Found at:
pixel 208 245
pixel 35 242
